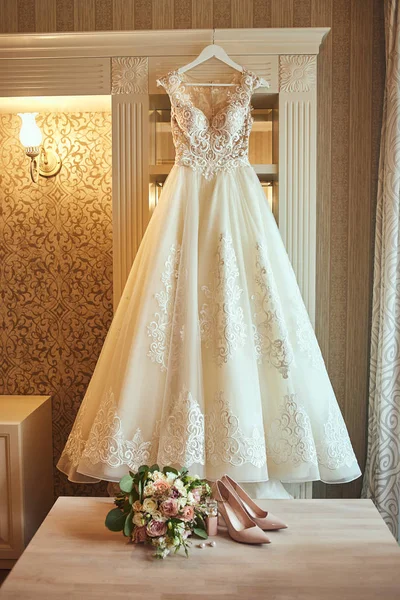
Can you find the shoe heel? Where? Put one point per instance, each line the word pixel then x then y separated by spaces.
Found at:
pixel 221 521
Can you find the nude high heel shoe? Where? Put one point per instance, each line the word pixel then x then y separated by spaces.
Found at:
pixel 265 520
pixel 240 527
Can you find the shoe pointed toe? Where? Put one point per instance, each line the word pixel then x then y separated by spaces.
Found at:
pixel 252 535
pixel 271 523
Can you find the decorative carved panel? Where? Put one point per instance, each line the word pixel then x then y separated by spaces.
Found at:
pixel 297 73
pixel 130 75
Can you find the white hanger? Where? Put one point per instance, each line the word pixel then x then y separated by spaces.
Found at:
pixel 214 51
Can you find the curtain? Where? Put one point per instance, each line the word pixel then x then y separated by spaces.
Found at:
pixel 382 473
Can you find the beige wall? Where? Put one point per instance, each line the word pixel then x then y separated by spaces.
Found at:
pixel 351 68
pixel 56 267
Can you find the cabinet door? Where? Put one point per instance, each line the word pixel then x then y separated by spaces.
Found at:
pixel 11 544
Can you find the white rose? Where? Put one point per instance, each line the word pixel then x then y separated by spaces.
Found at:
pixel 149 505
pixel 158 475
pixel 149 490
pixel 182 502
pixel 136 506
pixel 190 499
pixel 180 527
pixel 178 484
pixel 171 478
pixel 138 519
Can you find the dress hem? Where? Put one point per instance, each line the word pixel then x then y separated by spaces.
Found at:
pixel 94 480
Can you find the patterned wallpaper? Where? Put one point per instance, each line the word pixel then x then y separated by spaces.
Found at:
pixel 56 267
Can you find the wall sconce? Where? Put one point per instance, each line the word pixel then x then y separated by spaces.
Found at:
pixel 43 162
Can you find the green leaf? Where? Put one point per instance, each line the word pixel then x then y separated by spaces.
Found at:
pixel 126 484
pixel 200 533
pixel 133 496
pixel 200 521
pixel 128 526
pixel 170 470
pixel 127 506
pixel 115 520
pixel 154 467
pixel 143 468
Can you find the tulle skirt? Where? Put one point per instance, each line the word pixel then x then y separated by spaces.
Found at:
pixel 211 361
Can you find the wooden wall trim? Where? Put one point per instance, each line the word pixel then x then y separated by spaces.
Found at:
pixel 305 40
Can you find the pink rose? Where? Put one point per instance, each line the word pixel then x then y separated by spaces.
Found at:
pixel 187 513
pixel 169 507
pixel 197 494
pixel 139 534
pixel 156 528
pixel 161 487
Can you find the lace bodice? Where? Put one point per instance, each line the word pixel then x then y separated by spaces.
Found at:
pixel 211 126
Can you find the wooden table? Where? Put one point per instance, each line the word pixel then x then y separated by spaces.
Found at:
pixel 333 549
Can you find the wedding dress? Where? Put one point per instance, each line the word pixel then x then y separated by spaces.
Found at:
pixel 211 361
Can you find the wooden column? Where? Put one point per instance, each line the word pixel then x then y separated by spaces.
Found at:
pixel 297 178
pixel 130 133
pixel 297 168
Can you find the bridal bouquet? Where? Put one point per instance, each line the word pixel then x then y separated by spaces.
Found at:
pixel 163 508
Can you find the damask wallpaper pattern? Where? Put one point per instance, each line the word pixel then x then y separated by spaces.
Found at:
pixel 56 267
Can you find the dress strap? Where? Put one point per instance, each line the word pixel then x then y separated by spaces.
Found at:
pixel 251 80
pixel 170 81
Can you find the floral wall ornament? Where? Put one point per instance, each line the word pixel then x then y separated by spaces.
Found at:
pixel 129 75
pixel 297 73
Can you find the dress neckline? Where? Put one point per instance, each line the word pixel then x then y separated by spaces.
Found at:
pixel 188 99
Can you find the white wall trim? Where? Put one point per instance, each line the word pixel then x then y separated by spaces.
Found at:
pixel 305 40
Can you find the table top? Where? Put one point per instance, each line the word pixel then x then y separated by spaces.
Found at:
pixel 332 549
pixel 15 409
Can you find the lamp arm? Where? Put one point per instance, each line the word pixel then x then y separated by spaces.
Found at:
pixel 35 168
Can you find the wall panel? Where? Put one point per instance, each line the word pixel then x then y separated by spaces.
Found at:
pixel 45 16
pixel 123 14
pixel 182 14
pixel 351 66
pixel 359 225
pixel 64 15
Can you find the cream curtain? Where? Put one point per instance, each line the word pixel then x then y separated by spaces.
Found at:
pixel 382 474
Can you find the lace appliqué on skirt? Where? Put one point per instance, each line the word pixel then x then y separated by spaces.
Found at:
pixel 335 450
pixel 269 330
pixel 226 442
pixel 290 438
pixel 76 443
pixel 222 325
pixel 107 443
pixel 160 328
pixel 182 437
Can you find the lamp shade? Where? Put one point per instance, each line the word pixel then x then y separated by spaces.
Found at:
pixel 30 134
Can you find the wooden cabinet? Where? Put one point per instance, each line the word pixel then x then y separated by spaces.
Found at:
pixel 26 471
